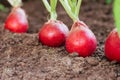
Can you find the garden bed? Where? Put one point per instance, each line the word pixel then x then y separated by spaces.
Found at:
pixel 23 57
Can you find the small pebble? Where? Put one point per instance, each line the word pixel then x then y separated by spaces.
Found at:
pixel 74 54
pixel 92 61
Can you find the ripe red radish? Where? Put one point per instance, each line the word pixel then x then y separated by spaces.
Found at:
pixel 54 32
pixel 112 43
pixel 17 20
pixel 112 46
pixel 80 39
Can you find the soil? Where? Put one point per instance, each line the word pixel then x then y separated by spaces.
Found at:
pixel 23 57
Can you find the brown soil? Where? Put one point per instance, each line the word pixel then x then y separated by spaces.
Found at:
pixel 23 57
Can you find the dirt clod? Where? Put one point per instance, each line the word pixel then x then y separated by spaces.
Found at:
pixel 92 61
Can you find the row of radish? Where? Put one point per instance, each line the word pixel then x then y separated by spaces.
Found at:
pixel 55 33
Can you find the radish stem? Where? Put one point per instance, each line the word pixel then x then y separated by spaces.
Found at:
pixel 47 5
pixel 15 3
pixel 72 8
pixel 116 11
pixel 78 7
pixel 51 8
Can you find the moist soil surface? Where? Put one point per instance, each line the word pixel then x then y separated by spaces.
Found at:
pixel 23 57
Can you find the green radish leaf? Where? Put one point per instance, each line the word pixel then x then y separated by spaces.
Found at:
pixel 3 8
pixel 108 1
pixel 116 11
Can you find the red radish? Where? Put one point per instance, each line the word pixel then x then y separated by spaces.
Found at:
pixel 54 32
pixel 17 20
pixel 80 39
pixel 112 43
pixel 112 46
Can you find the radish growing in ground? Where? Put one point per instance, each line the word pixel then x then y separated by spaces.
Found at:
pixel 80 39
pixel 16 20
pixel 112 43
pixel 54 32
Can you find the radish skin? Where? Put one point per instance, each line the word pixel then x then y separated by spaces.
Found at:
pixel 112 46
pixel 17 20
pixel 81 40
pixel 53 33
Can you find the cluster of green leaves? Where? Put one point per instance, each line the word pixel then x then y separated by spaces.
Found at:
pixel 72 7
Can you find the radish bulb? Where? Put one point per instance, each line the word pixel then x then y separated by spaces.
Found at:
pixel 16 21
pixel 54 32
pixel 80 38
pixel 112 46
pixel 112 43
